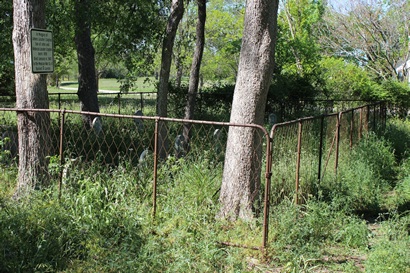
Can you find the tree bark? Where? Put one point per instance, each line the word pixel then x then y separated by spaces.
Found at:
pixel 177 11
pixel 31 93
pixel 87 81
pixel 195 68
pixel 241 176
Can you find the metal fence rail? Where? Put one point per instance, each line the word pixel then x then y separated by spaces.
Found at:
pixel 297 155
pixel 305 150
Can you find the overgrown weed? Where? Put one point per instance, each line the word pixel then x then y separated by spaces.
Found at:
pixel 104 222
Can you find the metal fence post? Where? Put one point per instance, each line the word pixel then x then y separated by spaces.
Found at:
pixel 339 117
pixel 154 186
pixel 268 175
pixel 319 171
pixel 298 162
pixel 119 102
pixel 351 129
pixel 61 151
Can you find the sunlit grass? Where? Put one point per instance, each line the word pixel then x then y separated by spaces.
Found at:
pixel 142 84
pixel 104 221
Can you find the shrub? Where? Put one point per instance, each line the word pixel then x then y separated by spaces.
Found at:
pixel 398 134
pixel 364 176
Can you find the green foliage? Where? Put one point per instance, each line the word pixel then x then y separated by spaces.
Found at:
pixel 297 49
pixel 103 222
pixel 397 132
pixel 213 102
pixel 305 230
pixel 344 80
pixel 6 48
pixel 392 251
pixel 402 189
pixel 38 235
pixel 397 94
pixel 364 177
pixel 378 155
pixel 224 27
pixel 291 89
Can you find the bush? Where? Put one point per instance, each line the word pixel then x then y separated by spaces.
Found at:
pixel 398 134
pixel 402 188
pixel 397 94
pixel 364 176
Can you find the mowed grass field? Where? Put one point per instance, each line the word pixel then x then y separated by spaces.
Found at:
pixel 143 84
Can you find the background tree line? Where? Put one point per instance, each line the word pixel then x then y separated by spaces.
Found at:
pixel 333 52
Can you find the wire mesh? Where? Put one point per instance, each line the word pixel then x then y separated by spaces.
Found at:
pixel 302 160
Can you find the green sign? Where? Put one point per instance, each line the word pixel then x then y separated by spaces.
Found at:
pixel 42 51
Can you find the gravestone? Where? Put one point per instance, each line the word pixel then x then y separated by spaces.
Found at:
pixel 272 119
pixel 97 125
pixel 139 122
pixel 217 137
pixel 180 146
pixel 143 156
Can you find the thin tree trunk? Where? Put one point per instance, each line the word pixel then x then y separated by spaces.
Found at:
pixel 31 93
pixel 177 11
pixel 242 168
pixel 195 68
pixel 87 82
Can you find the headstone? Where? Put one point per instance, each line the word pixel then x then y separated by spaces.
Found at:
pixel 143 156
pixel 97 125
pixel 217 134
pixel 217 141
pixel 68 167
pixel 273 119
pixel 139 122
pixel 180 146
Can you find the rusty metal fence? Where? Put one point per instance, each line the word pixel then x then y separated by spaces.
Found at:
pixel 111 102
pixel 297 155
pixel 134 141
pixel 305 151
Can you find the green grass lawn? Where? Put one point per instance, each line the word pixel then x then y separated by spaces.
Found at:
pixel 142 84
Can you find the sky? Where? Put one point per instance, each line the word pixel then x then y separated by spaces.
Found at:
pixel 337 4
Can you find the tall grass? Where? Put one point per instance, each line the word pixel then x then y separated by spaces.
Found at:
pixel 104 222
pixel 364 176
pixel 391 252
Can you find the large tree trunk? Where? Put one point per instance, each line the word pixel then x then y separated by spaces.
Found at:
pixel 195 68
pixel 241 176
pixel 31 93
pixel 177 11
pixel 87 80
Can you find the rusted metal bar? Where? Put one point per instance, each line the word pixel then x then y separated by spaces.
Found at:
pixel 361 124
pixel 319 170
pixel 61 151
pixel 351 129
pixel 119 102
pixel 268 176
pixel 328 154
pixel 298 153
pixel 367 118
pixel 238 245
pixel 154 184
pixel 339 117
